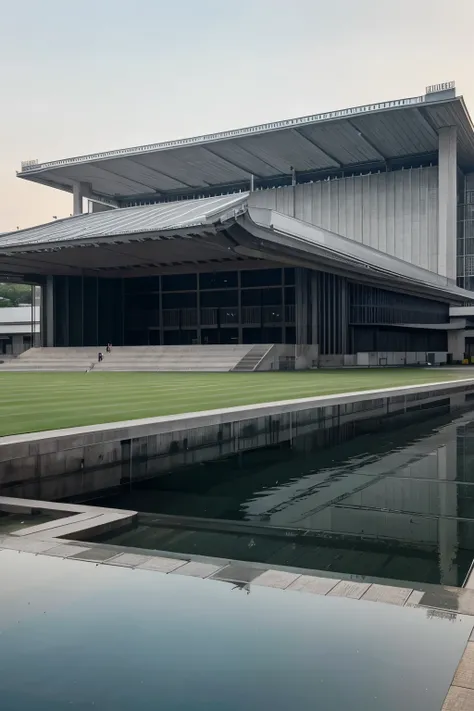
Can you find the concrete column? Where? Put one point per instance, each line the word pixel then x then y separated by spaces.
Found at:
pixel 447 201
pixel 48 293
pixel 314 307
pixel 301 306
pixel 17 344
pixel 79 192
pixel 456 344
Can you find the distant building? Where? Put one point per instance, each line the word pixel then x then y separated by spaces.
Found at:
pixel 18 326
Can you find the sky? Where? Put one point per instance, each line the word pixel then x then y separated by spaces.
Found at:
pixel 87 76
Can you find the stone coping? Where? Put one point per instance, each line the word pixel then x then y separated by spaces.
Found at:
pixel 87 521
pixel 126 429
pixel 81 521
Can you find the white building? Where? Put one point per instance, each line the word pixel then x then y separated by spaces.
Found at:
pixel 18 327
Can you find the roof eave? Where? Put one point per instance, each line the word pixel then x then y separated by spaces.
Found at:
pixel 288 232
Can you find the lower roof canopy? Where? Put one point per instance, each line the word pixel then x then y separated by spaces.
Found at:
pixel 210 234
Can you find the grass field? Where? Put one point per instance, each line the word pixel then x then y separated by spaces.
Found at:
pixel 31 402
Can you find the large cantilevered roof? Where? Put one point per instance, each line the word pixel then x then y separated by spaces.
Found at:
pixel 363 137
pixel 207 234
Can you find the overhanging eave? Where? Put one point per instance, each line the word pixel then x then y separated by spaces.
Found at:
pixel 316 244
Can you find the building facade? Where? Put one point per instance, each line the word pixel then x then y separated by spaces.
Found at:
pixel 349 231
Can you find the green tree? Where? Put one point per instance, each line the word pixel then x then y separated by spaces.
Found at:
pixel 14 294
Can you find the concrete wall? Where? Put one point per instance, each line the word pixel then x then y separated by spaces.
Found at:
pixel 394 212
pixel 89 460
pixel 289 357
pixel 389 359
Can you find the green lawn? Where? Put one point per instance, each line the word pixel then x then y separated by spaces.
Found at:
pixel 40 401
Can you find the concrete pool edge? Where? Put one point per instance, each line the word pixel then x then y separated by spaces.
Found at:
pixel 70 536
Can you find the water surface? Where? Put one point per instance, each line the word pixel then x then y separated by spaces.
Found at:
pixel 395 504
pixel 79 636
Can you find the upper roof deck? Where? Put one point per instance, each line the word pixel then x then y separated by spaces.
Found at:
pixel 369 137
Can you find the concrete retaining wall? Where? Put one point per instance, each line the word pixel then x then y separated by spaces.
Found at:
pixel 83 461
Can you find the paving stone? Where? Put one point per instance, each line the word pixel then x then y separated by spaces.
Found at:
pixel 415 598
pixel 99 555
pixel 28 545
pixel 312 584
pixel 465 672
pixel 127 560
pixel 276 579
pixel 162 565
pixel 197 569
pixel 459 700
pixel 350 588
pixel 66 550
pixel 237 574
pixel 448 598
pixel 388 594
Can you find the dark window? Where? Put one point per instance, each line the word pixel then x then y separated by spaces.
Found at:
pixel 290 295
pixel 143 301
pixel 252 335
pixel 251 297
pixel 261 277
pixel 289 275
pixel 179 282
pixel 141 284
pixel 219 298
pixel 218 280
pixel 272 297
pixel 271 335
pixel 179 301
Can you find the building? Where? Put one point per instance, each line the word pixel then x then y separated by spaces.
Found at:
pixel 349 231
pixel 19 326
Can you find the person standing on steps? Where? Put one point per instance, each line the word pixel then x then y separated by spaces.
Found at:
pixel 100 357
pixel 109 348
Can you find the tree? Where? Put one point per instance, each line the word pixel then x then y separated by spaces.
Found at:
pixel 14 294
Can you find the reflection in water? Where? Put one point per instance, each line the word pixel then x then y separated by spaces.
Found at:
pixel 397 505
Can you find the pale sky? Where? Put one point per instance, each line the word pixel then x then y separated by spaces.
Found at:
pixel 93 75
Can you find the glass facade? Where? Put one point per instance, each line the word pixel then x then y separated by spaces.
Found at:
pixel 279 305
pixel 370 305
pixel 465 237
pixel 254 306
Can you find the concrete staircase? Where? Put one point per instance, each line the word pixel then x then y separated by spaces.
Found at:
pixel 211 358
pixel 251 359
pixel 218 358
pixel 53 360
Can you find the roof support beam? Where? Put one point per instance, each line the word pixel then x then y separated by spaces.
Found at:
pixel 426 118
pixel 252 155
pixel 120 176
pixel 323 151
pixel 230 162
pixel 161 173
pixel 367 140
